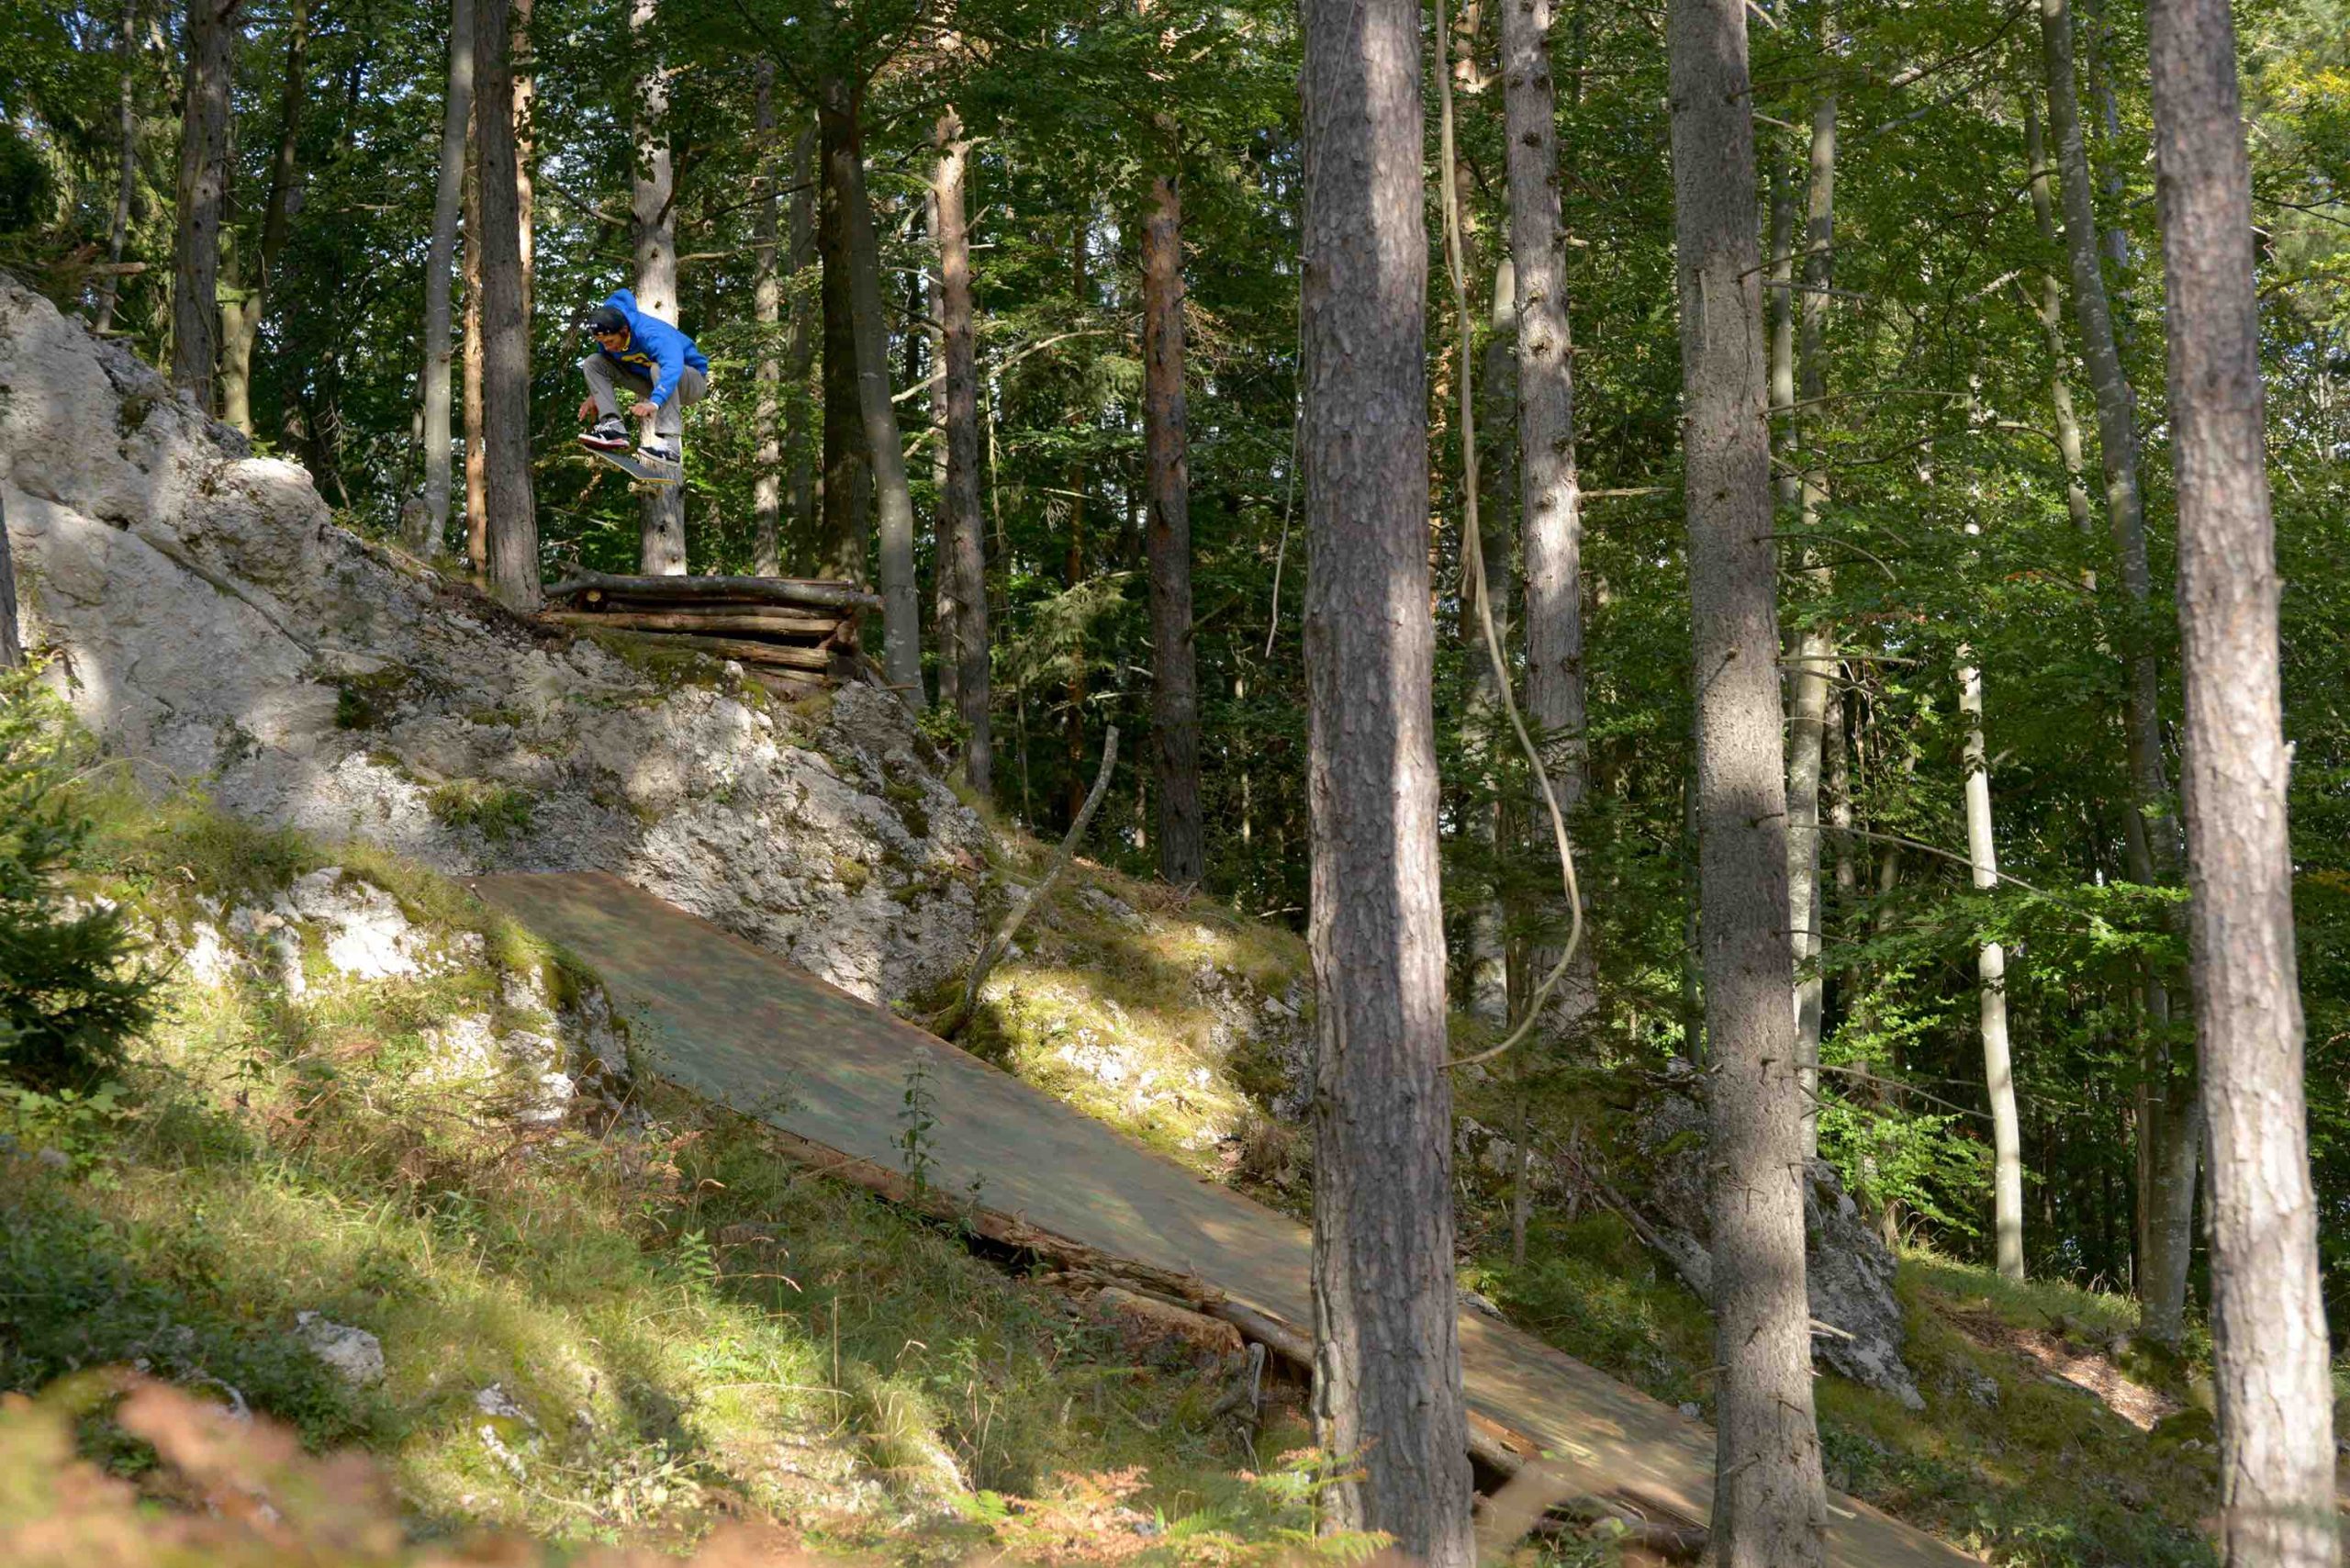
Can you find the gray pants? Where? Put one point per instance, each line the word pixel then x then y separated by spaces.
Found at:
pixel 605 379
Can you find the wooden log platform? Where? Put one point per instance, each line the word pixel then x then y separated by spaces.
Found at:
pixel 815 593
pixel 796 635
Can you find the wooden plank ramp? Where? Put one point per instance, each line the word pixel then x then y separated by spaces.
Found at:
pixel 744 1029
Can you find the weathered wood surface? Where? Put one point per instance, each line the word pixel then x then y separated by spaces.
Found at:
pixel 742 649
pixel 809 591
pixel 797 625
pixel 742 1028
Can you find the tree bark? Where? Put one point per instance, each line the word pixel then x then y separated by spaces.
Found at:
pixel 767 307
pixel 476 472
pixel 1808 682
pixel 884 448
pixel 2050 311
pixel 2270 1350
pixel 848 490
pixel 241 309
pixel 127 172
pixel 202 195
pixel 440 266
pixel 12 641
pixel 2169 1117
pixel 652 229
pixel 512 524
pixel 964 541
pixel 1550 492
pixel 801 358
pixel 524 63
pixel 1770 1505
pixel 1991 976
pixel 1387 1357
pixel 934 306
pixel 1175 687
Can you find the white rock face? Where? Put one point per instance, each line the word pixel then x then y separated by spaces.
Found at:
pixel 356 1355
pixel 367 938
pixel 216 625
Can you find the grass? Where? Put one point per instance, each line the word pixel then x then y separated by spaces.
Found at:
pixel 691 1328
pixel 1143 1008
pixel 2034 1476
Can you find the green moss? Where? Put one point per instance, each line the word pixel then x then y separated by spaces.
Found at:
pixel 368 702
pixel 910 800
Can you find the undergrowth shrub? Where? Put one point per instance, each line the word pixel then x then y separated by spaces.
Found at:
pixel 72 993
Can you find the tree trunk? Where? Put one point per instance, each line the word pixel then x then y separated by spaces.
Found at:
pixel 934 306
pixel 2117 429
pixel 1991 974
pixel 241 309
pixel 1387 1357
pixel 884 448
pixel 12 641
pixel 1808 682
pixel 801 498
pixel 2153 836
pixel 512 518
pixel 202 195
pixel 1496 964
pixel 964 540
pixel 847 488
pixel 2050 311
pixel 522 61
pixel 1550 493
pixel 767 307
pixel 2270 1350
pixel 440 265
pixel 652 229
pixel 1770 1505
pixel 127 173
pixel 1782 304
pixel 1175 687
pixel 476 447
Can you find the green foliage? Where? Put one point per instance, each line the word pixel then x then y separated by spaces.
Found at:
pixel 496 812
pixel 917 1116
pixel 71 993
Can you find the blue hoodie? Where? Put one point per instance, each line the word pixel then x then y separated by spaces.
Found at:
pixel 655 350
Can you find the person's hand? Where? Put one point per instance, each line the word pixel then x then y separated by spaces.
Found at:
pixel 586 409
pixel 645 407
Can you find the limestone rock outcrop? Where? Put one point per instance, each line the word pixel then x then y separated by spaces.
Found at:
pixel 216 627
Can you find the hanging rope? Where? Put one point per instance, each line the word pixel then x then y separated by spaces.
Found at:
pixel 1472 559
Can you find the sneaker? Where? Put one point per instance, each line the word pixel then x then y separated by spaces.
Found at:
pixel 657 452
pixel 608 435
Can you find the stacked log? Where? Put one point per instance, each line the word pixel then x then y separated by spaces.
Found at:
pixel 793 634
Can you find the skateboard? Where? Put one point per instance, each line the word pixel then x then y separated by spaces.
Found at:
pixel 637 469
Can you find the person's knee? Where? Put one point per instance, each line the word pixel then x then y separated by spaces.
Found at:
pixel 592 368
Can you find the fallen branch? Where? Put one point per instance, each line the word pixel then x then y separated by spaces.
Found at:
pixel 997 945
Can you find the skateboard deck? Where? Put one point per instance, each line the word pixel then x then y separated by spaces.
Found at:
pixel 638 468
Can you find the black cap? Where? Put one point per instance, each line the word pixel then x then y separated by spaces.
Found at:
pixel 604 319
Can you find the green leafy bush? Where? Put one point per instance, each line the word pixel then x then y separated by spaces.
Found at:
pixel 71 993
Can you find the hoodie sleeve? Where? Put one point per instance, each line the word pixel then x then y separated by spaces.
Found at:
pixel 666 345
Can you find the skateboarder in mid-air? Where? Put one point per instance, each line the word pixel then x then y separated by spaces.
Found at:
pixel 654 360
